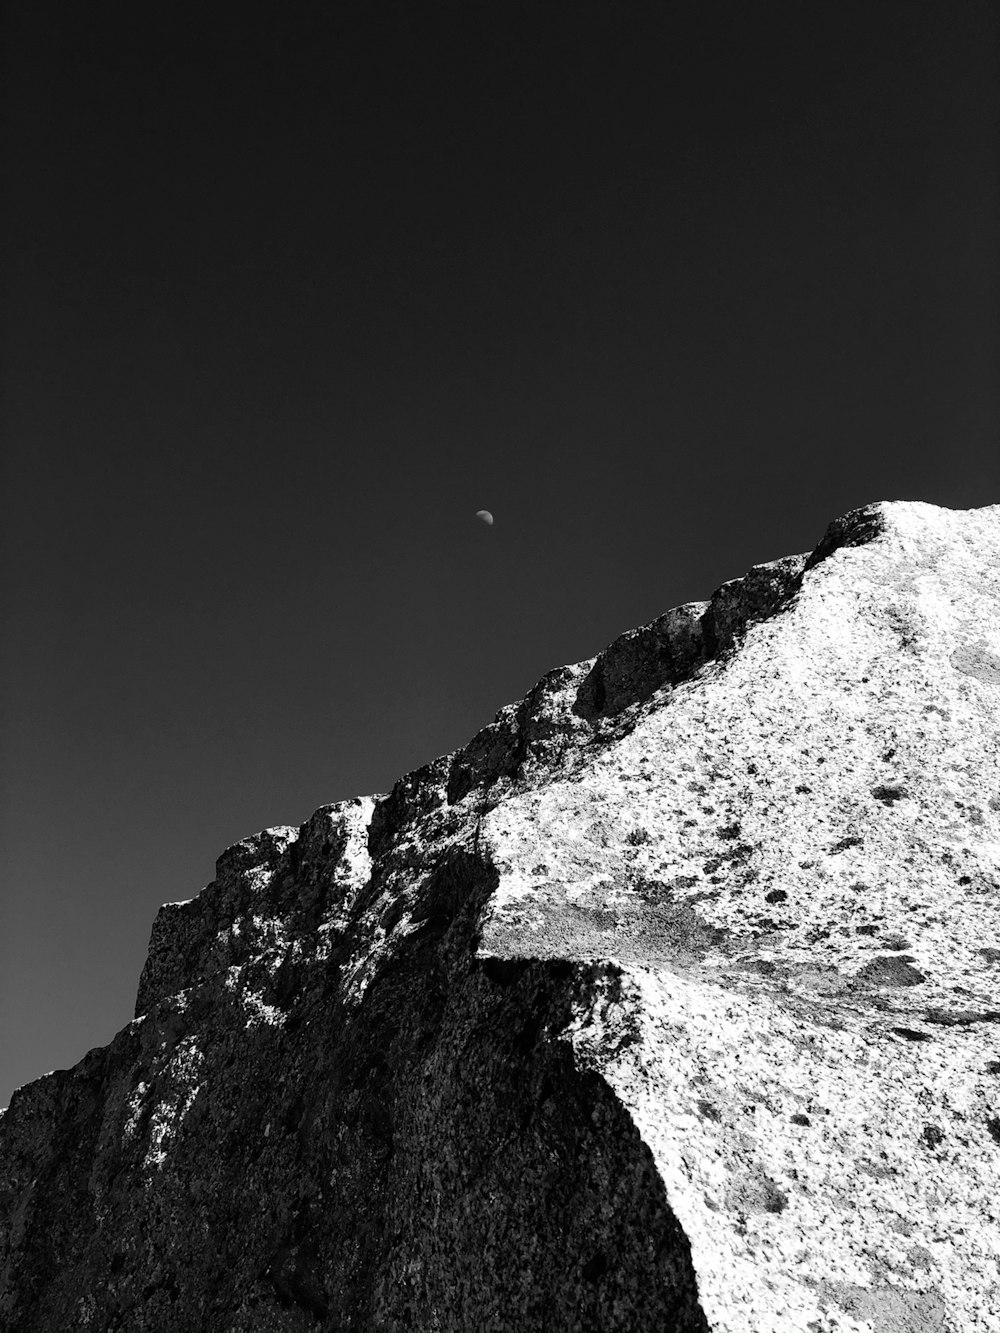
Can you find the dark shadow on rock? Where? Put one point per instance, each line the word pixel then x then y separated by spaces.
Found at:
pixel 431 1157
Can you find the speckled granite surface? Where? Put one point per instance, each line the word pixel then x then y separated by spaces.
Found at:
pixel 671 1001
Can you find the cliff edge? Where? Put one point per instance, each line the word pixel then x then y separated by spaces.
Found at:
pixel 669 1002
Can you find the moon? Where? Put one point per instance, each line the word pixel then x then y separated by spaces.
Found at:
pixel 485 516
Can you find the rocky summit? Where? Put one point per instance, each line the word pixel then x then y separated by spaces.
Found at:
pixel 670 1002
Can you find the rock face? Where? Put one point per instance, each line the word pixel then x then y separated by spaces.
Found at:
pixel 670 1002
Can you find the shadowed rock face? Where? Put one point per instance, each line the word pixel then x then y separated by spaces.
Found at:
pixel 670 1002
pixel 269 1148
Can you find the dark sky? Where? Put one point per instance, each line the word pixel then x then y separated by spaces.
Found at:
pixel 290 296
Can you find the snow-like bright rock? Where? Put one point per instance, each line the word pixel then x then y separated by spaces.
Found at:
pixel 670 1001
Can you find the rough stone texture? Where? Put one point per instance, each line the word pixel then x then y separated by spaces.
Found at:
pixel 670 1002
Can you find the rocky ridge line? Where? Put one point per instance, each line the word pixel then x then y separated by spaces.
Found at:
pixel 610 1019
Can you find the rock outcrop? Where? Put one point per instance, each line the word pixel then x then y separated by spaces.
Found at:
pixel 669 1002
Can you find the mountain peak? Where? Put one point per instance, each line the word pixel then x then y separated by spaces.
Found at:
pixel 669 1000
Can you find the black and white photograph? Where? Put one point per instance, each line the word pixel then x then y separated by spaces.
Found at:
pixel 500 667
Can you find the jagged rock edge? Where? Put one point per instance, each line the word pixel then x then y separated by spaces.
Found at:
pixel 522 742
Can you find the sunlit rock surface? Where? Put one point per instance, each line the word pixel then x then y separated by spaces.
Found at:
pixel 670 1002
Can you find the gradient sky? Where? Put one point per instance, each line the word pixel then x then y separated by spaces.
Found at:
pixel 290 296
